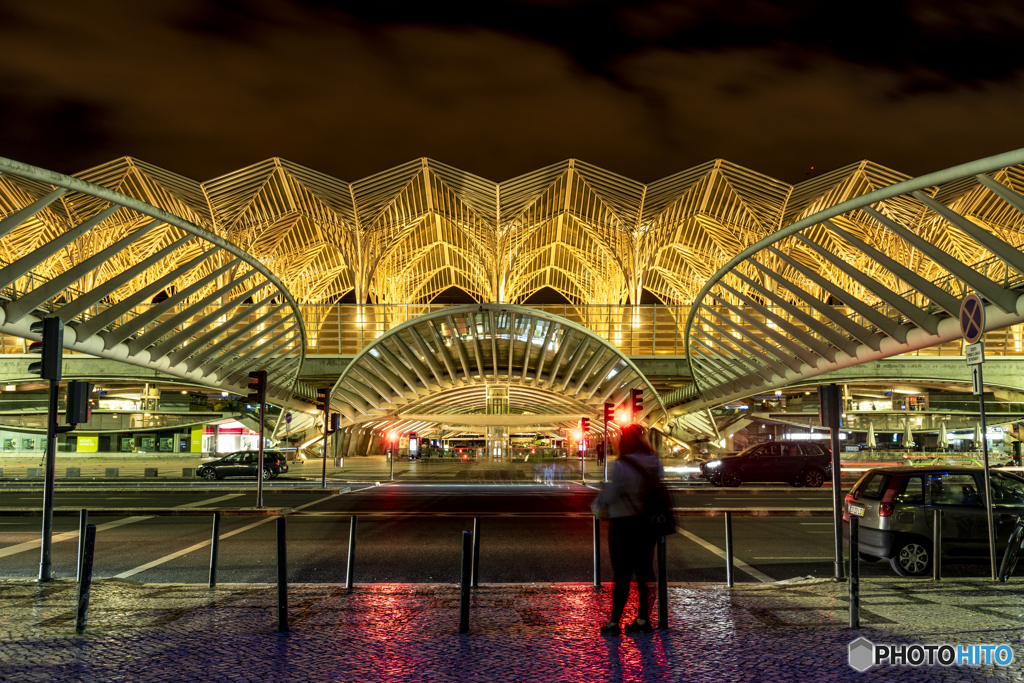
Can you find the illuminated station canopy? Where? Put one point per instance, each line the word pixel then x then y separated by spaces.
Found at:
pixel 291 243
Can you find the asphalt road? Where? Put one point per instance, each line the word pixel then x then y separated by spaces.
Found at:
pixel 412 534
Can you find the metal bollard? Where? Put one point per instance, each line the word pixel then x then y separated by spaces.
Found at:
pixel 728 550
pixel 467 560
pixel 476 553
pixel 85 584
pixel 854 571
pixel 214 547
pixel 282 578
pixel 597 553
pixel 350 567
pixel 83 521
pixel 936 545
pixel 392 459
pixel 663 582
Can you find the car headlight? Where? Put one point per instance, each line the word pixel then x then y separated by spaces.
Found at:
pixel 714 463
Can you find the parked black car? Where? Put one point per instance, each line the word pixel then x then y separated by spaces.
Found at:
pixel 244 464
pixel 798 463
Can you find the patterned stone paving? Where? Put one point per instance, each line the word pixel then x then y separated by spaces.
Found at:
pixel 543 632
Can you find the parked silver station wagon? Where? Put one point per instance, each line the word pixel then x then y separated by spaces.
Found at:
pixel 895 506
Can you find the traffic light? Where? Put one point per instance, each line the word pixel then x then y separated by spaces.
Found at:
pixel 51 348
pixel 79 411
pixel 609 412
pixel 585 425
pixel 636 402
pixel 321 400
pixel 335 422
pixel 258 387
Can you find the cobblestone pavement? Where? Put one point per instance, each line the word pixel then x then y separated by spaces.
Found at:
pixel 543 632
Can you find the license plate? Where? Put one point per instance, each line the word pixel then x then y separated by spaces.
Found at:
pixel 857 510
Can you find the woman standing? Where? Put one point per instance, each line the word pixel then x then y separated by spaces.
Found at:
pixel 630 538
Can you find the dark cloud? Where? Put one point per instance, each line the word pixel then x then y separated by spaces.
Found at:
pixel 501 88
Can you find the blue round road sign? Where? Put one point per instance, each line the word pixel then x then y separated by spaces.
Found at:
pixel 972 318
pixel 288 417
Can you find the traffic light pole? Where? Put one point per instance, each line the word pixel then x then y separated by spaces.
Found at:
pixel 259 469
pixel 51 464
pixel 605 443
pixel 327 428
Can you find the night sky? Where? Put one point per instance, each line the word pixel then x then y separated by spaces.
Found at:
pixel 502 87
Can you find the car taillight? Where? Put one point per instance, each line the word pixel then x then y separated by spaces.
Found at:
pixel 885 507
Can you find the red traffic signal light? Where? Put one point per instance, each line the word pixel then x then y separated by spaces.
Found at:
pixel 50 347
pixel 585 425
pixel 636 402
pixel 321 399
pixel 609 412
pixel 257 387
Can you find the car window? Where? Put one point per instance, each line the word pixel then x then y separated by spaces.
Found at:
pixel 233 457
pixel 873 487
pixel 912 490
pixel 250 458
pixel 1007 490
pixel 790 450
pixel 812 449
pixel 768 451
pixel 950 488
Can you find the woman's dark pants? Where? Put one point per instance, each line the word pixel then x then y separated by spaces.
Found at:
pixel 631 547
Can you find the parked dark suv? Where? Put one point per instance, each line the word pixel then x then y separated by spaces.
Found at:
pixel 244 464
pixel 798 463
pixel 895 507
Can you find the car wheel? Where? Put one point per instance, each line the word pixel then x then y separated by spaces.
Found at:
pixel 912 558
pixel 813 478
pixel 209 474
pixel 267 474
pixel 731 479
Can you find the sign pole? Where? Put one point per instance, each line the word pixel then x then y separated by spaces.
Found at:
pixel 972 325
pixel 988 481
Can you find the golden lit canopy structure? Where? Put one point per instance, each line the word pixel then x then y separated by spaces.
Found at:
pixel 877 275
pixel 709 241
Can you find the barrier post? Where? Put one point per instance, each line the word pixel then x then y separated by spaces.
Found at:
pixel 214 548
pixel 597 553
pixel 350 566
pixel 728 550
pixel 83 521
pixel 936 545
pixel 854 572
pixel 475 582
pixel 282 578
pixel 662 582
pixel 467 560
pixel 85 584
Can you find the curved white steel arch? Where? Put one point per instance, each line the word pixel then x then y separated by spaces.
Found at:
pixel 766 319
pixel 442 363
pixel 225 312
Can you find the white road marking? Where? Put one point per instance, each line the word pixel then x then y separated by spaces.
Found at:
pixel 204 544
pixel 66 536
pixel 816 523
pixel 794 558
pixel 69 535
pixel 738 563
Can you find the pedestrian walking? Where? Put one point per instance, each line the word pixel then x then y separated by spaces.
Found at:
pixel 631 536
